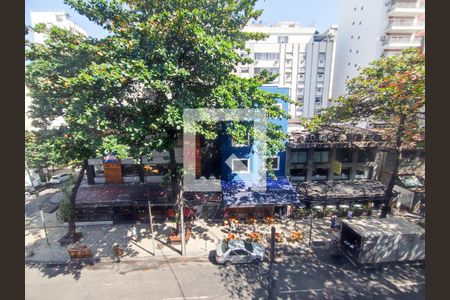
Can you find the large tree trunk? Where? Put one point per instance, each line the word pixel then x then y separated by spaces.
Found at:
pixel 175 180
pixel 395 167
pixel 72 227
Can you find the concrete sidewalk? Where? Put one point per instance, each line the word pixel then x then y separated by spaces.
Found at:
pixel 204 239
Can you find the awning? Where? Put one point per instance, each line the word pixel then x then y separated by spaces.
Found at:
pixel 120 195
pixel 240 194
pixel 341 190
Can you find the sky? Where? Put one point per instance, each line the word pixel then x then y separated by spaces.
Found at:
pixel 310 13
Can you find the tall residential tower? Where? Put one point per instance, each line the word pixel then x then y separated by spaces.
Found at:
pixel 369 29
pixel 302 58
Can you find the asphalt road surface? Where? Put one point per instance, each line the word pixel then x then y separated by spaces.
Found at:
pixel 309 277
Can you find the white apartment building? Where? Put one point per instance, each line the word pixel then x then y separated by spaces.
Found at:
pixel 60 19
pixel 369 29
pixel 302 58
pixel 56 18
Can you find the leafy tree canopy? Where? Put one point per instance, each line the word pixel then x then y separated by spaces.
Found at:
pixel 391 90
pixel 159 58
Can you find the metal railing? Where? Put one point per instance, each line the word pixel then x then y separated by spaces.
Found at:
pixel 406 5
pixel 402 40
pixel 405 23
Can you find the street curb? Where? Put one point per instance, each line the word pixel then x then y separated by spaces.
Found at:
pixel 107 259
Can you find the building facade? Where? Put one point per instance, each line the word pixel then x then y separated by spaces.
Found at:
pixel 57 18
pixel 303 59
pixel 369 29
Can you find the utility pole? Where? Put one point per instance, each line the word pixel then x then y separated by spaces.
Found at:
pixel 183 237
pixel 310 227
pixel 270 278
pixel 45 228
pixel 151 221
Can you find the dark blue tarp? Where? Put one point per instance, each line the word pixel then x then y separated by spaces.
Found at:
pixel 241 194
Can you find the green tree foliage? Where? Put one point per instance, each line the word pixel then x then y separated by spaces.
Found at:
pixel 129 89
pixel 391 90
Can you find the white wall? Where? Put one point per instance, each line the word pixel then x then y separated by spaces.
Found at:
pixel 300 41
pixel 372 16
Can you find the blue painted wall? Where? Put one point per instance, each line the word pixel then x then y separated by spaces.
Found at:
pixel 248 151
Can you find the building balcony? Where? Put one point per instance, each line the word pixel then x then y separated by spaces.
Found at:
pixel 266 63
pixel 401 42
pixel 405 26
pixel 406 9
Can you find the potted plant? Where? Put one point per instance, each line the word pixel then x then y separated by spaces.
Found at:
pixel 368 209
pixel 357 211
pixel 317 212
pixel 328 211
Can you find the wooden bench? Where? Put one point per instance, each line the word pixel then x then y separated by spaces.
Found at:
pixel 80 252
pixel 174 238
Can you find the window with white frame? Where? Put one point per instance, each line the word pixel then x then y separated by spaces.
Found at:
pixel 283 39
pixel 240 165
pixel 274 162
pixel 270 70
pixel 301 76
pixel 267 55
pixel 320 76
pixel 244 143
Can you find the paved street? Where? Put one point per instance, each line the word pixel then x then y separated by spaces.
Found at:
pixel 305 277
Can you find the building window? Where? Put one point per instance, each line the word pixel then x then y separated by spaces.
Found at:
pixel 362 7
pixel 130 170
pixel 321 156
pixel 319 174
pixel 270 70
pixel 154 170
pixel 288 77
pixel 357 51
pixel 59 18
pixel 299 156
pixel 274 162
pixel 99 170
pixel 318 99
pixel 360 23
pixel 353 23
pixel 300 98
pixel 244 70
pixel 363 173
pixel 359 37
pixel 348 64
pixel 267 55
pixel 320 76
pixel 344 155
pixel 319 90
pixel 347 77
pixel 366 155
pixel 351 37
pixel 350 50
pixel 299 174
pixel 301 76
pixel 345 174
pixel 240 165
pixel 283 39
pixel 243 143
